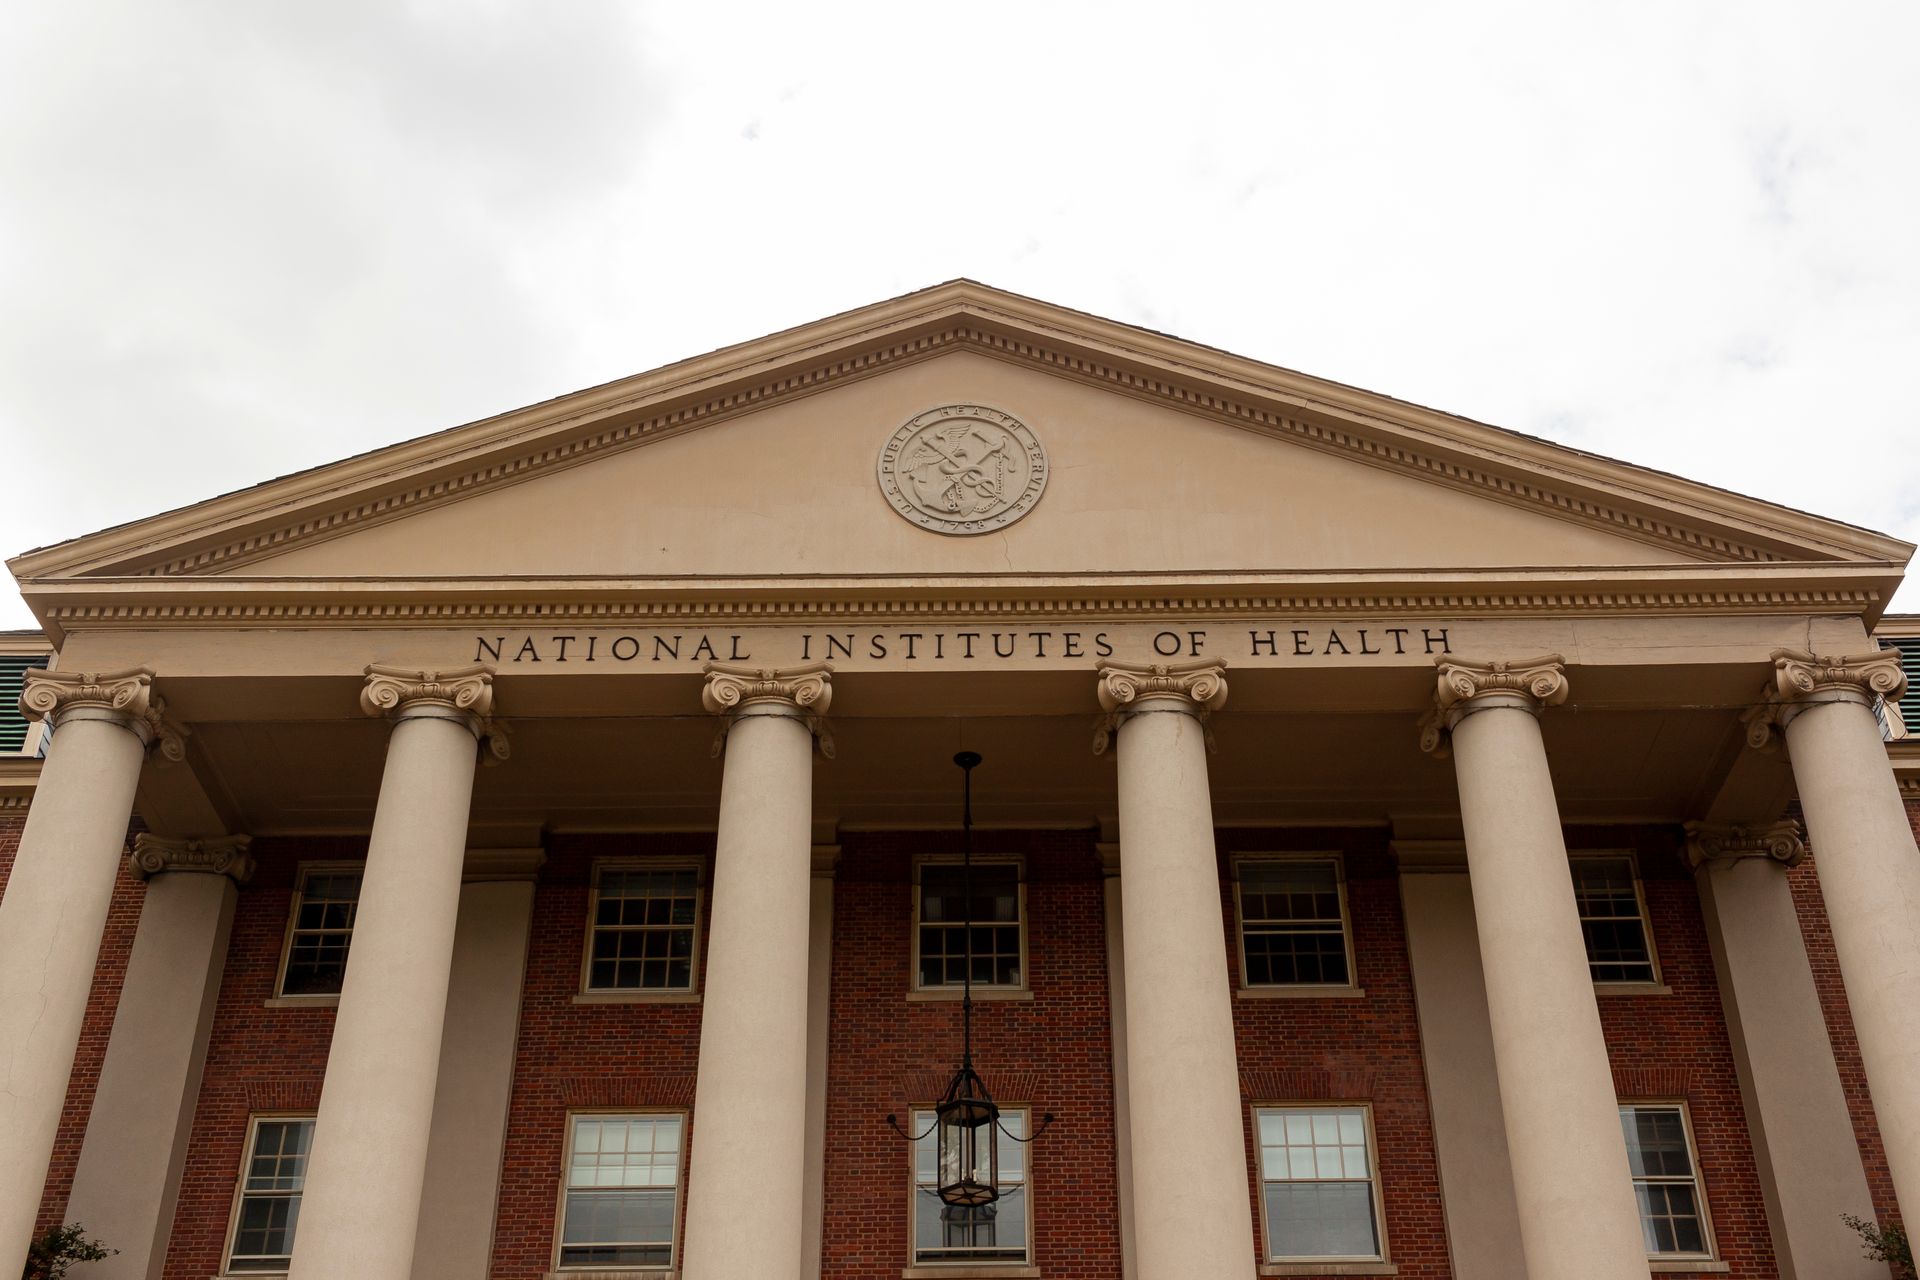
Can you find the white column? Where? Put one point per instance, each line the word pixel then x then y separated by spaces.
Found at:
pixel 55 911
pixel 1189 1150
pixel 1456 1044
pixel 128 1177
pixel 361 1207
pixel 746 1175
pixel 1803 1144
pixel 460 1202
pixel 1578 1218
pixel 1869 872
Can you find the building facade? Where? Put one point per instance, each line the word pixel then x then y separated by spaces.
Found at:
pixel 1401 846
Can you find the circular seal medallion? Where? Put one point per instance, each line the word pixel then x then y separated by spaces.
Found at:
pixel 963 469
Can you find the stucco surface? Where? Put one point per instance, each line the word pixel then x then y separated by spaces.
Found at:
pixel 791 489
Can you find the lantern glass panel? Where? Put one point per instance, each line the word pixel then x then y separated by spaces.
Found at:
pixel 968 1146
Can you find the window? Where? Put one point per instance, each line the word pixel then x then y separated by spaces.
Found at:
pixel 320 931
pixel 645 918
pixel 1317 1193
pixel 999 942
pixel 998 1232
pixel 270 1187
pixel 622 1191
pixel 1673 1216
pixel 1613 918
pixel 1293 922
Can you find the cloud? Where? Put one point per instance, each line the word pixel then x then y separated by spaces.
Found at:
pixel 241 241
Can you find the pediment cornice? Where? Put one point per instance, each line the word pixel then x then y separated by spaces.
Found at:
pixel 146 603
pixel 238 529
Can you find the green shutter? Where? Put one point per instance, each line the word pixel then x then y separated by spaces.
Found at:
pixel 13 677
pixel 1909 647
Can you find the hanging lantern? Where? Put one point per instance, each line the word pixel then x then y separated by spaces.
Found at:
pixel 966 1120
pixel 967 1142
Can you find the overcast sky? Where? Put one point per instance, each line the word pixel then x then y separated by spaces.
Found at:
pixel 241 239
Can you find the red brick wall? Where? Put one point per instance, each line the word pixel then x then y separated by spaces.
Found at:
pixel 110 969
pixel 581 1055
pixel 1052 1053
pixel 1675 1047
pixel 1349 1050
pixel 258 1060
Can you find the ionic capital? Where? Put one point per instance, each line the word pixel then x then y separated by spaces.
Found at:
pixel 1128 689
pixel 464 694
pixel 804 692
pixel 122 697
pixel 1709 842
pixel 1801 679
pixel 213 855
pixel 1465 687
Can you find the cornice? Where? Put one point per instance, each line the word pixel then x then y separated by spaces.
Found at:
pixel 243 527
pixel 89 604
pixel 19 775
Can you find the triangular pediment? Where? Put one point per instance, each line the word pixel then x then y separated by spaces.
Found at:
pixel 1162 457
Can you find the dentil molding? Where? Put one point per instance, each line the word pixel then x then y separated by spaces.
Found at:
pixel 1541 682
pixel 1709 842
pixel 213 855
pixel 126 696
pixel 1801 678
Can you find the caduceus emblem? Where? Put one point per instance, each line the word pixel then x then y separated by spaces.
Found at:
pixel 963 469
pixel 957 470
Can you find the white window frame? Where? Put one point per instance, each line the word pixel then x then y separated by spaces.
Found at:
pixel 643 995
pixel 1352 984
pixel 1019 866
pixel 1632 860
pixel 591 1270
pixel 1365 1108
pixel 240 1186
pixel 1712 1253
pixel 919 1118
pixel 302 874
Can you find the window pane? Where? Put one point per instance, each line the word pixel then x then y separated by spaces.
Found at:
pixel 995 911
pixel 993 1233
pixel 322 931
pixel 1610 920
pixel 1656 1142
pixel 1321 1220
pixel 1289 890
pixel 643 929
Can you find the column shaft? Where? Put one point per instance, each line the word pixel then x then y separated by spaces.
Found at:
pixel 51 921
pixel 1803 1144
pixel 1578 1218
pixel 128 1177
pixel 1189 1147
pixel 1870 877
pixel 360 1212
pixel 748 1150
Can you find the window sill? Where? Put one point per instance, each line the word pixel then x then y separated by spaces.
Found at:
pixel 614 1273
pixel 298 1002
pixel 1329 1269
pixel 1632 989
pixel 1300 993
pixel 942 995
pixel 1698 1266
pixel 970 1271
pixel 632 997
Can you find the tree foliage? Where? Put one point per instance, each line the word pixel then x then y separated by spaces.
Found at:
pixel 1884 1244
pixel 49 1257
